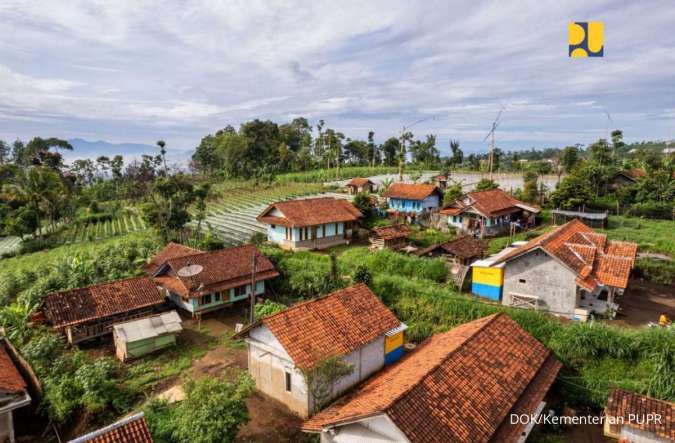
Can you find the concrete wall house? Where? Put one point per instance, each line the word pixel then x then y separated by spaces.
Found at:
pixel 571 271
pixel 351 324
pixel 132 429
pixel 313 223
pixel 137 338
pixel 413 198
pixel 200 282
pixel 458 386
pixel 489 213
pixel 13 391
pixel 636 418
pixel 89 312
pixel 357 185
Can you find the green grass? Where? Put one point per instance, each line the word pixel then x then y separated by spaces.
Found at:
pixel 324 175
pixel 650 235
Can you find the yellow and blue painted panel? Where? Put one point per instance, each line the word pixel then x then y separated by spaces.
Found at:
pixel 487 282
pixel 393 345
pixel 586 39
pixel 393 356
pixel 393 342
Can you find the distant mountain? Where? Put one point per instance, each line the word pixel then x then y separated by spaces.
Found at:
pixel 130 151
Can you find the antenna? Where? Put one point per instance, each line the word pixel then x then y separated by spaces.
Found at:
pixel 495 125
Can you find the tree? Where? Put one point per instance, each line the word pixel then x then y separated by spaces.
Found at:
pixel 363 203
pixel 373 151
pixel 452 193
pixel 569 158
pixel 457 154
pixel 530 185
pixel 573 191
pixel 38 151
pixel 617 141
pixel 4 152
pixel 601 153
pixel 167 206
pixel 201 194
pixel 162 153
pixel 268 307
pixel 390 148
pixel 486 184
pixel 362 275
pixel 405 138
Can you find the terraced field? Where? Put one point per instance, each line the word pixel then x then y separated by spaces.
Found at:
pixel 9 244
pixel 105 229
pixel 233 215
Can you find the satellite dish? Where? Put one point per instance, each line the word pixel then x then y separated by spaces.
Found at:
pixel 190 271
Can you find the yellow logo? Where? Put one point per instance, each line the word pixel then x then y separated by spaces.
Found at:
pixel 586 39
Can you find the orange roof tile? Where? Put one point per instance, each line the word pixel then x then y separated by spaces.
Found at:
pixel 221 269
pixel 626 404
pixel 595 260
pixel 359 182
pixel 391 232
pixel 81 305
pixel 411 191
pixel 11 381
pixel 490 203
pixel 170 251
pixel 456 386
pixel 333 325
pixel 310 212
pixel 133 429
pixel 464 247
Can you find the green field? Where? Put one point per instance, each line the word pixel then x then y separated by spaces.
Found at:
pixel 99 230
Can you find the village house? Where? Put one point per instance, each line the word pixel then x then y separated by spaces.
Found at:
pixel 462 250
pixel 13 390
pixel 441 181
pixel 91 311
pixel 201 282
pixel 632 417
pixel 626 177
pixel 570 271
pixel 413 197
pixel 390 237
pixel 489 213
pixel 132 429
pixel 357 185
pixel 351 324
pixel 313 223
pixel 458 386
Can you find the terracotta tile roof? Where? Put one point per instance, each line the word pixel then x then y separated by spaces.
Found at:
pixel 595 260
pixel 411 191
pixel 623 403
pixel 359 182
pixel 221 269
pixel 456 386
pixel 133 429
pixel 310 212
pixel 170 251
pixel 490 203
pixel 463 247
pixel 334 325
pixel 11 381
pixel 391 232
pixel 89 303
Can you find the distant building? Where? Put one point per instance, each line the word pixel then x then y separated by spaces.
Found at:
pixel 626 177
pixel 132 429
pixel 459 386
pixel 462 250
pixel 91 311
pixel 313 223
pixel 201 282
pixel 412 197
pixel 570 271
pixel 489 213
pixel 632 417
pixel 390 237
pixel 13 391
pixel 137 338
pixel 357 185
pixel 351 323
pixel 441 181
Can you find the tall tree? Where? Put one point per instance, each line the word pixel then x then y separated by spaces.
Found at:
pixel 390 149
pixel 457 154
pixel 569 158
pixel 406 137
pixel 5 150
pixel 162 153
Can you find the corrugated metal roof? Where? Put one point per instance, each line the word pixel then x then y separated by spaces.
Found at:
pixel 148 327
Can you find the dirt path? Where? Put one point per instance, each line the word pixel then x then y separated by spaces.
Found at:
pixel 643 302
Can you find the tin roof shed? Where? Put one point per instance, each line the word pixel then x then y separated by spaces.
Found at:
pixel 149 327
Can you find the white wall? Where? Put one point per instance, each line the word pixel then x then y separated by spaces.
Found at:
pixel 379 429
pixel 366 361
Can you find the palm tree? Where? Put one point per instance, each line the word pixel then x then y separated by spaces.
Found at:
pixel 162 151
pixel 39 188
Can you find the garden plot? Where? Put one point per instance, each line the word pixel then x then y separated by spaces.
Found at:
pixel 9 244
pixel 122 225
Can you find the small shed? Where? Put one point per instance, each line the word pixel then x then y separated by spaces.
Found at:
pixel 462 250
pixel 592 219
pixel 137 338
pixel 357 185
pixel 393 237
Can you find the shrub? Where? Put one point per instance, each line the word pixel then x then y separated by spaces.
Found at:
pixel 362 275
pixel 658 271
pixel 268 307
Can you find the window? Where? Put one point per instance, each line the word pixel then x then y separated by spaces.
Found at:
pixel 274 226
pixel 217 296
pixel 205 300
pixel 288 382
pixel 323 229
pixel 288 233
pixel 240 291
pixel 522 280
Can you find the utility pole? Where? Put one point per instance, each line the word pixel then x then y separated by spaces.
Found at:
pixel 491 135
pixel 253 272
pixel 402 139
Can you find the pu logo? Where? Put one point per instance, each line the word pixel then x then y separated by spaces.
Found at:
pixel 586 39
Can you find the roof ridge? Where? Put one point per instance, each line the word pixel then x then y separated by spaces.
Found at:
pixel 104 430
pixel 487 320
pixel 93 285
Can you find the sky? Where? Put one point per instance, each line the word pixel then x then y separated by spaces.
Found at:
pixel 139 71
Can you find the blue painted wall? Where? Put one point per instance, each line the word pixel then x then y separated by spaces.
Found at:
pixel 487 291
pixel 403 205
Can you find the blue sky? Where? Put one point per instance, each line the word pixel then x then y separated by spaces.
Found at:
pixel 138 71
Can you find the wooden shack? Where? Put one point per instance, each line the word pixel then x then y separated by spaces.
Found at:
pixel 357 185
pixel 462 250
pixel 392 237
pixel 137 338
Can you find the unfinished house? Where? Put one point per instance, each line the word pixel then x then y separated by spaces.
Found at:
pixel 632 417
pixel 489 213
pixel 413 198
pixel 132 429
pixel 137 338
pixel 462 250
pixel 201 282
pixel 313 223
pixel 351 324
pixel 91 311
pixel 571 271
pixel 458 386
pixel 356 185
pixel 389 237
pixel 13 391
